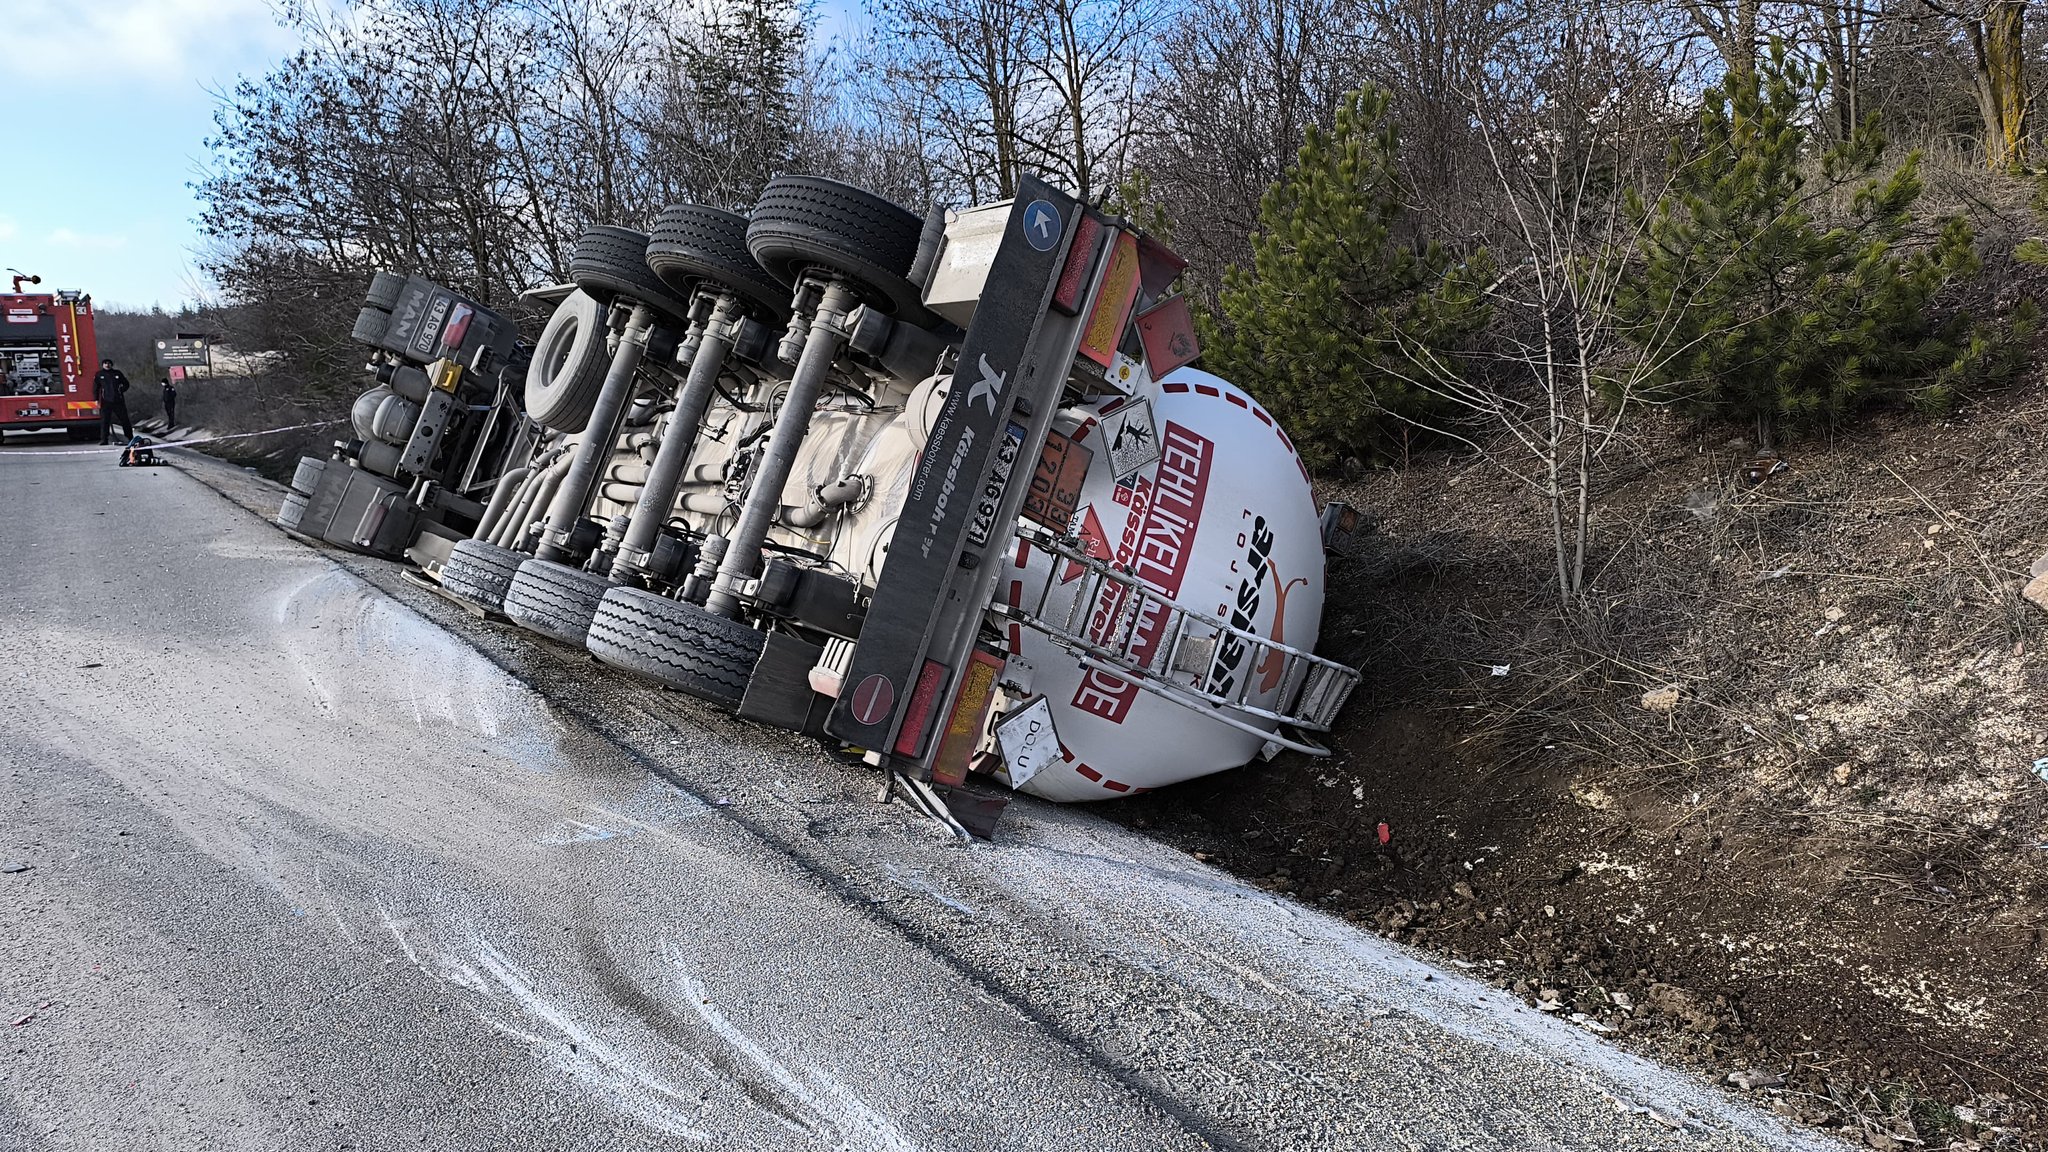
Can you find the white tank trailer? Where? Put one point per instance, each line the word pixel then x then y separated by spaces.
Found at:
pixel 947 490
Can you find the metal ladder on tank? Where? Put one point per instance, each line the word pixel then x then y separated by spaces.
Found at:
pixel 1312 689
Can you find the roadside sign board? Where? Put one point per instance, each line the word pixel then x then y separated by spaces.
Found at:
pixel 183 353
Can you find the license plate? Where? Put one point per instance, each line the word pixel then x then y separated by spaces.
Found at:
pixel 984 521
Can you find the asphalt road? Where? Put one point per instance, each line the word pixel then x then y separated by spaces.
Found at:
pixel 316 860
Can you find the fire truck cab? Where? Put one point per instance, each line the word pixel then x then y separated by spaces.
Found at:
pixel 47 358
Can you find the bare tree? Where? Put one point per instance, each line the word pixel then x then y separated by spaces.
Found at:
pixel 725 114
pixel 1996 34
pixel 1580 125
pixel 1241 82
pixel 967 66
pixel 1093 63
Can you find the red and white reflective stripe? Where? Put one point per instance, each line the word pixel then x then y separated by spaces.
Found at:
pixel 1178 387
pixel 1093 776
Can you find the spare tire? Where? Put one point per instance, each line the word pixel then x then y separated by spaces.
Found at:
pixel 480 572
pixel 609 262
pixel 554 600
pixel 568 365
pixel 692 243
pixel 805 221
pixel 677 644
pixel 384 291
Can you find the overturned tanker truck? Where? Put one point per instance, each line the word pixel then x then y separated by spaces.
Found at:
pixel 944 489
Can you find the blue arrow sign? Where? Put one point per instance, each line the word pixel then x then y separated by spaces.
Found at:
pixel 1042 228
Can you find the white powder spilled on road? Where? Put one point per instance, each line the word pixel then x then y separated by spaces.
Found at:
pixel 574 1050
pixel 857 1125
pixel 371 658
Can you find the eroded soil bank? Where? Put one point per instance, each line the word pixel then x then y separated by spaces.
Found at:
pixel 1769 805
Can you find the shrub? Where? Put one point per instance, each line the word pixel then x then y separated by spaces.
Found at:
pixel 1763 304
pixel 1327 326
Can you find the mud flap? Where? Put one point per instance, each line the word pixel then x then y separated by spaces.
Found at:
pixel 779 692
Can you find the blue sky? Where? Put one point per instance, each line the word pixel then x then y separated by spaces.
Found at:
pixel 109 103
pixel 113 128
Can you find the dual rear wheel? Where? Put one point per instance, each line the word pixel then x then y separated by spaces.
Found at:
pixel 802 224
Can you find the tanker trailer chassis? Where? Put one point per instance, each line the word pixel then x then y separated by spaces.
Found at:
pixel 972 510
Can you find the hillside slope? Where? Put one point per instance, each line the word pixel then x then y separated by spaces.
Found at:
pixel 1771 805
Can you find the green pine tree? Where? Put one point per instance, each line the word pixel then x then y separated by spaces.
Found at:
pixel 1330 324
pixel 1759 302
pixel 741 68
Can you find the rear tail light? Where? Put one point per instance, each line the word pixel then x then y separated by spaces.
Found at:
pixel 969 719
pixel 918 713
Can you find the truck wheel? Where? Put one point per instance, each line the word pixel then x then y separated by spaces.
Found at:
pixel 568 366
pixel 307 478
pixel 608 262
pixel 480 572
pixel 384 291
pixel 293 510
pixel 807 220
pixel 371 324
pixel 692 243
pixel 554 600
pixel 676 643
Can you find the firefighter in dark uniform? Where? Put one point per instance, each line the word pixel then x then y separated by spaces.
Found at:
pixel 110 388
pixel 170 404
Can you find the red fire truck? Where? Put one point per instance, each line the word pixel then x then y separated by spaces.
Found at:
pixel 47 360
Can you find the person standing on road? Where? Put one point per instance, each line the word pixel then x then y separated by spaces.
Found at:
pixel 170 405
pixel 110 388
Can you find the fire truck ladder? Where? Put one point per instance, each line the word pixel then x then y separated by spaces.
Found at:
pixel 1312 690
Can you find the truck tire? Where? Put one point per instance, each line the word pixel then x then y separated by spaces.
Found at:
pixel 293 510
pixel 608 262
pixel 371 324
pixel 692 243
pixel 307 478
pixel 568 366
pixel 384 291
pixel 676 643
pixel 554 600
pixel 806 220
pixel 480 572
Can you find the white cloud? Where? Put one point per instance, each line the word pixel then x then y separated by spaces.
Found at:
pixel 7 228
pixel 150 41
pixel 91 241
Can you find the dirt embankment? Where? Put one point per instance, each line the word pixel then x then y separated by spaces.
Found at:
pixel 1770 806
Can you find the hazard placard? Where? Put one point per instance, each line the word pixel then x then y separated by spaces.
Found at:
pixel 1130 439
